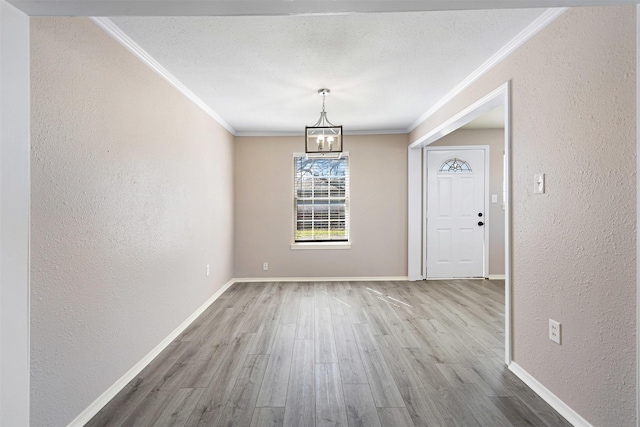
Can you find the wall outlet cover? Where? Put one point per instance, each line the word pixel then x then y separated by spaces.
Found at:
pixel 555 334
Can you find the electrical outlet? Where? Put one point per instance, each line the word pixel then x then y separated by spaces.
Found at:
pixel 265 266
pixel 554 331
pixel 208 271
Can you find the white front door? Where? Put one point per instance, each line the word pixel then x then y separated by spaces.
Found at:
pixel 455 213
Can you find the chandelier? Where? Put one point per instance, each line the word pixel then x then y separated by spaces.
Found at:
pixel 323 137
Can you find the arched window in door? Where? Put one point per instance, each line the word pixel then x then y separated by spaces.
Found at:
pixel 455 165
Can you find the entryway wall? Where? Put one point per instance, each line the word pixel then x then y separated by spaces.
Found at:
pixel 573 118
pixel 495 139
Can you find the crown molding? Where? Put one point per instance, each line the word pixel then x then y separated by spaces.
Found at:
pixel 346 133
pixel 121 37
pixel 531 30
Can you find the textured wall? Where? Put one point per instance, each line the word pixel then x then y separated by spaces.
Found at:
pixel 132 195
pixel 495 139
pixel 264 210
pixel 574 248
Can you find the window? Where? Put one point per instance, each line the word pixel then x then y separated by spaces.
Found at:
pixel 321 199
pixel 455 165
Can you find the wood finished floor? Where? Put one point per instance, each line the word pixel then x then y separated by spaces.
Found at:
pixel 337 354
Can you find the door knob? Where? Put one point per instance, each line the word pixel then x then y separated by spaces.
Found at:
pixel 480 223
pixel 479 213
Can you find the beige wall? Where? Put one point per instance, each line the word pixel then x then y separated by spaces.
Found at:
pixel 264 210
pixel 132 195
pixel 494 138
pixel 574 248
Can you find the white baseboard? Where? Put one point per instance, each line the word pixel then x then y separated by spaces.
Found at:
pixel 112 391
pixel 562 408
pixel 319 279
pixel 497 277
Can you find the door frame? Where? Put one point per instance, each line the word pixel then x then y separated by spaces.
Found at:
pixel 425 189
pixel 499 96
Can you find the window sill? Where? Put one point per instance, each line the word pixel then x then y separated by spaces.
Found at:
pixel 320 245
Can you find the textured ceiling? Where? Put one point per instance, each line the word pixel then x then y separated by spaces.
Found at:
pixel 261 73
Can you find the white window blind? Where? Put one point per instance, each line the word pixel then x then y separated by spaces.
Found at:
pixel 321 205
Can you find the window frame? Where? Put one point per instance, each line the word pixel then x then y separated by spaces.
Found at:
pixel 320 244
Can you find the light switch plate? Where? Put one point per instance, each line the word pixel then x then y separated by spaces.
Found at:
pixel 494 198
pixel 538 183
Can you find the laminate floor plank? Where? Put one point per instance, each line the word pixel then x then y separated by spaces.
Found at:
pixel 433 344
pixel 268 417
pixel 483 312
pixel 138 390
pixel 376 320
pixel 453 408
pixel 239 408
pixel 401 328
pixel 360 407
pixel 351 294
pixel 265 337
pixel 221 382
pixel 470 344
pixel 517 413
pixel 424 365
pixel 351 367
pixel 202 375
pixel 291 307
pixel 383 387
pixel 300 408
pixel 395 417
pixel 273 392
pixel 423 410
pixel 162 393
pixel 325 345
pixel 200 327
pixel 256 314
pixel 305 325
pixel 330 405
pixel 202 367
pixel 311 354
pixel 481 331
pixel 482 408
pixel 179 408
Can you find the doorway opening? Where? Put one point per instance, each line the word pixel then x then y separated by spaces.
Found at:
pixel 417 248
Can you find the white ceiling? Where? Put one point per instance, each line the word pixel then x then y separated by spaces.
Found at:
pixel 261 74
pixel 257 64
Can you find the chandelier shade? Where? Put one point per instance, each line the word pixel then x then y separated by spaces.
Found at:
pixel 323 136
